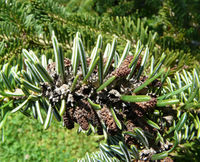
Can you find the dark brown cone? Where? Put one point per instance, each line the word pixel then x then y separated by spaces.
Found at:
pixel 124 69
pixel 81 118
pixel 85 114
pixel 147 105
pixel 68 118
pixel 91 114
pixel 139 109
pixel 109 121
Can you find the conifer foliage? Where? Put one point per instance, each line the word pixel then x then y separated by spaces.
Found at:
pixel 137 97
pixel 142 113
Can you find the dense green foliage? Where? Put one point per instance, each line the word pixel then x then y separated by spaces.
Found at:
pixel 160 37
pixel 176 21
pixel 35 20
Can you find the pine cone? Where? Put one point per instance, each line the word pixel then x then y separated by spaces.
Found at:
pixel 124 69
pixel 147 105
pixel 109 121
pixel 81 118
pixel 68 118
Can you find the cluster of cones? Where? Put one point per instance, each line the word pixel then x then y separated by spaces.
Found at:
pixel 79 110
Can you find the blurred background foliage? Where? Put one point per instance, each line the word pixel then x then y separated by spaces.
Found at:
pixel 178 19
pixel 26 140
pixel 28 24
